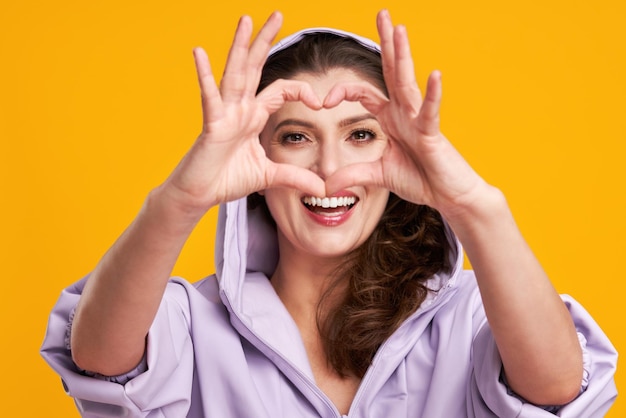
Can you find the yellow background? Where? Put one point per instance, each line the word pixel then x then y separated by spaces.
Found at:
pixel 98 101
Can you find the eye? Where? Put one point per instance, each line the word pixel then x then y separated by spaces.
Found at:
pixel 293 138
pixel 362 135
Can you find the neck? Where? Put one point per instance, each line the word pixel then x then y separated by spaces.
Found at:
pixel 301 281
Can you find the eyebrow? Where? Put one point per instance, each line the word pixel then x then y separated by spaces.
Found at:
pixel 297 122
pixel 357 119
pixel 343 123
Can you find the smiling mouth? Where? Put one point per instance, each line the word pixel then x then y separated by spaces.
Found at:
pixel 329 206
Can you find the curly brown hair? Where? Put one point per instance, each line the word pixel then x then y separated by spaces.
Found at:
pixel 384 280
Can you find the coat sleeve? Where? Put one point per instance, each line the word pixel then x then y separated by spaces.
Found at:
pixel 148 391
pixel 488 395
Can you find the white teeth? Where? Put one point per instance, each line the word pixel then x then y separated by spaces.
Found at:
pixel 329 202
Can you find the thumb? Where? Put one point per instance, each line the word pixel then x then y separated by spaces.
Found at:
pixel 360 174
pixel 293 177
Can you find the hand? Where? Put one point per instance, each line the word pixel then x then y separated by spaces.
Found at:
pixel 227 161
pixel 419 164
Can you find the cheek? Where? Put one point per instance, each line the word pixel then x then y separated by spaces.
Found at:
pixel 303 156
pixel 277 201
pixel 378 198
pixel 366 155
pixel 364 152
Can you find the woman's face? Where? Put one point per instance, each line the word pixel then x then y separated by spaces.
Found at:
pixel 324 141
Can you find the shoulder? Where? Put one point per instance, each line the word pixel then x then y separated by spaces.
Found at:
pixel 183 291
pixel 197 299
pixel 461 292
pixel 458 305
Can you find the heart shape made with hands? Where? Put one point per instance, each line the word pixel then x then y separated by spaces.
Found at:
pixel 417 162
pixel 342 113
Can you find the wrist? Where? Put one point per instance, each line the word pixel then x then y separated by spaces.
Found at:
pixel 477 211
pixel 169 211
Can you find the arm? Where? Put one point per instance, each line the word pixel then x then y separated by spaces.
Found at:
pixel 531 326
pixel 123 293
pixel 227 162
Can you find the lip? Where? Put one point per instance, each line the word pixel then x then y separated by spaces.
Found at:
pixel 334 220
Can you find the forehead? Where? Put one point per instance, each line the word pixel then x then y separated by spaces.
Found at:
pixel 328 79
pixel 321 83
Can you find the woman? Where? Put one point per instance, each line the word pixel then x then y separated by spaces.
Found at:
pixel 367 311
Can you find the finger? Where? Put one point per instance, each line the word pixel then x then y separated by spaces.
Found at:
pixel 428 119
pixel 276 94
pixel 293 177
pixel 260 49
pixel 211 101
pixel 368 95
pixel 385 31
pixel 405 86
pixel 234 78
pixel 360 174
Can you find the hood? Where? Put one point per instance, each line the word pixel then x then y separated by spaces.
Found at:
pixel 246 254
pixel 246 243
pixel 297 36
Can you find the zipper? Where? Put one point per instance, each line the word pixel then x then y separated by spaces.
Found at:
pixel 375 361
pixel 286 363
pixel 251 335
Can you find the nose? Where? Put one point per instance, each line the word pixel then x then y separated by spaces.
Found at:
pixel 328 159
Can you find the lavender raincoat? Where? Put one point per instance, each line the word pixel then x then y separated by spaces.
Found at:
pixel 226 347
